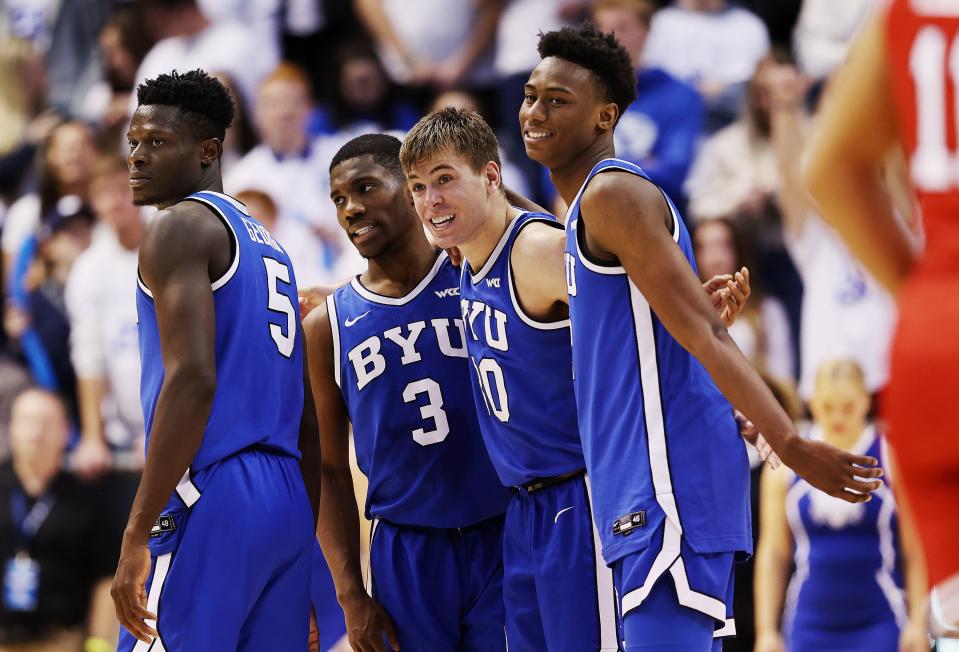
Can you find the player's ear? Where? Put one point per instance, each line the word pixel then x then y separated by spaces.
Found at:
pixel 608 115
pixel 494 180
pixel 210 151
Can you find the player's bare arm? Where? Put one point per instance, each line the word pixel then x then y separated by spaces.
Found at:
pixel 183 248
pixel 629 220
pixel 309 440
pixel 339 528
pixel 537 261
pixel 857 128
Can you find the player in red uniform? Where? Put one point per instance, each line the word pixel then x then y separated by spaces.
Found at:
pixel 899 88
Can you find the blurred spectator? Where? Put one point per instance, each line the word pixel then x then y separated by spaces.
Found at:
pixel 240 137
pixel 292 169
pixel 64 164
pixel 711 44
pixel 660 130
pixel 762 329
pixel 124 42
pixel 36 311
pixel 364 100
pixel 310 257
pixel 433 42
pixel 24 122
pixel 187 39
pixel 824 31
pixel 13 380
pixel 859 580
pixel 57 551
pixel 100 301
pixel 513 176
pixel 845 313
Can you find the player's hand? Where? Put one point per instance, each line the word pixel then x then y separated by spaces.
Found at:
pixel 833 471
pixel 129 591
pixel 728 294
pixel 91 458
pixel 914 638
pixel 311 297
pixel 366 623
pixel 769 642
pixel 749 432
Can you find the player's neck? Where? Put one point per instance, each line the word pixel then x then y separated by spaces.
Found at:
pixel 398 271
pixel 211 180
pixel 479 248
pixel 570 178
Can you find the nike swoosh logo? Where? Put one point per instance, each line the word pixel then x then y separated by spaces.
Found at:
pixel 350 322
pixel 560 513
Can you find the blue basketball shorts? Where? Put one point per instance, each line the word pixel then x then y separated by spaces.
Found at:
pixel 674 598
pixel 231 560
pixel 557 589
pixel 442 587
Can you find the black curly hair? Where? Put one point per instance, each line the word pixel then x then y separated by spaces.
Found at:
pixel 599 53
pixel 203 99
pixel 384 149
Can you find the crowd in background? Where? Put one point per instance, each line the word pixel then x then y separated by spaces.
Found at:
pixel 727 93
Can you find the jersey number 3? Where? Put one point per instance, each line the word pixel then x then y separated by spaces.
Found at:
pixel 277 272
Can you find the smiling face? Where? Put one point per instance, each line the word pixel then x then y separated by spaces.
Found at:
pixel 166 160
pixel 452 199
pixel 372 205
pixel 564 110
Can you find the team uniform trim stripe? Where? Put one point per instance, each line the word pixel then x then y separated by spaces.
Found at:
pixel 187 491
pixel 335 330
pixel 494 255
pixel 369 570
pixel 235 264
pixel 399 301
pixel 605 592
pixel 160 571
pixel 529 321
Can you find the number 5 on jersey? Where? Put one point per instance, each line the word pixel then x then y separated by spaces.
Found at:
pixel 277 272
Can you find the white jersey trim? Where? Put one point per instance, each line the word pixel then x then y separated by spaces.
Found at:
pixel 526 319
pixel 605 591
pixel 495 254
pixel 894 595
pixel 369 568
pixel 235 264
pixel 399 301
pixel 187 491
pixel 153 602
pixel 335 330
pixel 800 554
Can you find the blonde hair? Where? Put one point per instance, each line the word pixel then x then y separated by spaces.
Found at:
pixel 643 9
pixel 842 369
pixel 459 131
pixel 16 104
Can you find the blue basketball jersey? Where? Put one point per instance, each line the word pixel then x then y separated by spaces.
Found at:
pixel 522 375
pixel 848 564
pixel 659 438
pixel 259 358
pixel 401 366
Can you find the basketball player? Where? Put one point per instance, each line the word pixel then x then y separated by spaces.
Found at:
pixel 670 476
pixel 217 551
pixel 897 89
pixel 388 354
pixel 557 589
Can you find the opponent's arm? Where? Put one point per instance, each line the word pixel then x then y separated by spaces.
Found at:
pixel 309 440
pixel 627 218
pixel 177 260
pixel 773 559
pixel 856 131
pixel 339 528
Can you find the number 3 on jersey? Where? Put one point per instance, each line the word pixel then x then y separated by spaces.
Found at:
pixel 277 272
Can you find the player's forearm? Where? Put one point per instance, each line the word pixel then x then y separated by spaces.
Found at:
pixel 772 575
pixel 90 392
pixel 339 531
pixel 853 199
pixel 182 411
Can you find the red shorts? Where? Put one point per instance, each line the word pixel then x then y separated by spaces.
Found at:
pixel 921 405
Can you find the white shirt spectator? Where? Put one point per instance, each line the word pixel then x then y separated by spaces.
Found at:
pixel 776 351
pixel 101 303
pixel 722 46
pixel 518 33
pixel 825 30
pixel 20 223
pixel 226 47
pixel 845 314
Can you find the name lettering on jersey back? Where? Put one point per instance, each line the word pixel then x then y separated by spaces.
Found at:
pixel 258 233
pixel 369 356
pixel 494 323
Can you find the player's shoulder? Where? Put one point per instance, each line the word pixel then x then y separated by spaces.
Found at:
pixel 615 189
pixel 317 326
pixel 537 238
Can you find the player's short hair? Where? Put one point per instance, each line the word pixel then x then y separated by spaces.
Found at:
pixel 642 9
pixel 384 149
pixel 460 131
pixel 599 53
pixel 206 103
